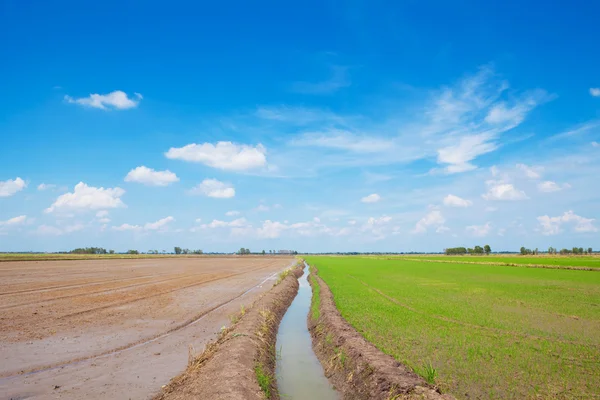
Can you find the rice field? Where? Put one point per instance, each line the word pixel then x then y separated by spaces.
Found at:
pixel 489 331
pixel 561 261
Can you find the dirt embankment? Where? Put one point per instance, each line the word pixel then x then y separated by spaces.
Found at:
pixel 356 368
pixel 241 363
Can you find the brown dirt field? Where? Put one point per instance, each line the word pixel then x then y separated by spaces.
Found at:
pixel 356 368
pixel 226 370
pixel 110 323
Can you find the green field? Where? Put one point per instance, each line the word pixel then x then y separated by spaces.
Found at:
pixel 490 331
pixel 574 261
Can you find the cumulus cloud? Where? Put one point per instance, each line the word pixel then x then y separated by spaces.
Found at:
pixel 86 197
pixel 549 186
pixel 114 100
pixel 480 230
pixel 372 198
pixel 455 201
pixel 11 186
pixel 150 177
pixel 500 190
pixel 232 213
pixel 102 213
pixel 224 155
pixel 531 172
pixel 214 188
pixel 434 219
pixel 553 225
pixel 45 186
pixel 595 92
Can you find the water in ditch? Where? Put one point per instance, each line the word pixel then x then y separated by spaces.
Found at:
pixel 299 372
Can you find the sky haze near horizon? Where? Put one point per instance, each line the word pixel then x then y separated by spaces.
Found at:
pixel 314 126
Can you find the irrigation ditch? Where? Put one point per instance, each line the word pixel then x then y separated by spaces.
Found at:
pixel 293 343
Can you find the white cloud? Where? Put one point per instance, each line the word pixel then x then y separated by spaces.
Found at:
pixel 595 144
pixel 214 188
pixel 271 229
pixel 455 201
pixel 161 223
pixel 150 177
pixel 494 170
pixel 113 100
pixel 102 213
pixel 104 220
pixel 552 225
pixel 232 213
pixel 433 218
pixel 480 230
pixel 549 186
pixel 127 227
pixel 14 221
pixel 236 223
pixel 372 198
pixel 379 221
pixel 262 208
pixel 468 119
pixel 468 148
pixel 11 186
pixel 223 155
pixel 86 197
pixel 595 92
pixel 500 190
pixel 491 209
pixel 352 222
pixel 577 131
pixel 531 172
pixel 45 186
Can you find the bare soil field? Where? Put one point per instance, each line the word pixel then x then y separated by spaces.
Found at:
pixel 116 328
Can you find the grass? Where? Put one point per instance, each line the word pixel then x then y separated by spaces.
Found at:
pixel 491 331
pixel 315 306
pixel 565 261
pixel 264 378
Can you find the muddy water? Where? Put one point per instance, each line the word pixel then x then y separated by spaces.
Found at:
pixel 299 372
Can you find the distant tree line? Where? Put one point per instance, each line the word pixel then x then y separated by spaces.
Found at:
pixel 575 250
pixel 453 251
pixel 179 250
pixel 91 250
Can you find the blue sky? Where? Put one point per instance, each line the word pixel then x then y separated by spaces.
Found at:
pixel 316 126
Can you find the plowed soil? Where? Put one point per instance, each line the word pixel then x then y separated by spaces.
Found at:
pixel 116 328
